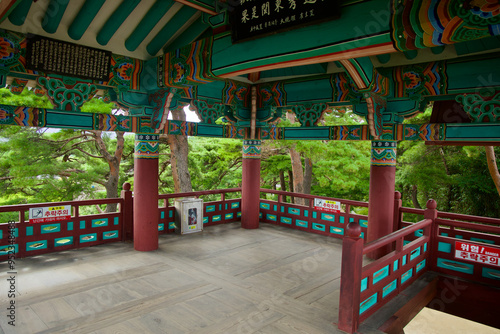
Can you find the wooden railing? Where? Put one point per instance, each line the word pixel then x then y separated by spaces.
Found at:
pixel 309 219
pixel 364 290
pixel 214 212
pixel 78 231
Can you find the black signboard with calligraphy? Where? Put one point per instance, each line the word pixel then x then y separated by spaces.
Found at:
pixel 52 56
pixel 255 18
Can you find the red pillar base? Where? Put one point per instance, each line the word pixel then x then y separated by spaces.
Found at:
pixel 250 189
pixel 146 212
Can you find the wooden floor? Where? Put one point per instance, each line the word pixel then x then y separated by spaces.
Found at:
pixel 223 280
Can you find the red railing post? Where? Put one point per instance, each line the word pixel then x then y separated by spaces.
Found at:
pixel 350 279
pixel 432 213
pixel 127 211
pixel 398 203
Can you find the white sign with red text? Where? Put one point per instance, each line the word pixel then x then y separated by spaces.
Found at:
pixel 49 214
pixel 477 253
pixel 326 205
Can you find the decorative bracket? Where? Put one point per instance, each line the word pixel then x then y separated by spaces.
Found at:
pixel 309 115
pixel 481 109
pixel 66 93
pixel 376 105
pixel 208 113
pixel 162 100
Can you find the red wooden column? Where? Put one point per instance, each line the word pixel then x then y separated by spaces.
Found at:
pixel 250 188
pixel 146 212
pixel 382 186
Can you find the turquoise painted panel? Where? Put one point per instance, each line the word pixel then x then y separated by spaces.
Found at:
pixel 406 242
pixel 116 221
pixel 491 273
pixel 336 230
pixel 318 227
pixel 459 236
pixel 162 215
pixel 380 274
pixel 235 205
pixel 420 266
pixel 315 214
pixel 170 214
pixel 220 207
pixel 286 220
pixel 456 266
pixel 404 259
pixel 351 220
pixel 275 207
pixel 415 253
pixel 395 265
pixel 216 218
pixel 228 216
pixel 419 233
pixel 271 217
pixel 225 207
pixel 483 240
pixel 260 214
pixel 282 208
pixel 406 276
pixel 36 245
pixel 294 211
pixel 363 223
pixel 82 224
pixel 211 208
pixel 70 226
pixel 205 220
pixel 100 222
pixel 444 234
pixel 88 237
pixel 16 232
pixel 4 250
pixel 328 216
pixel 425 247
pixel 63 241
pixel 110 235
pixel 306 213
pixel 389 288
pixel 341 219
pixel 362 235
pixel 368 303
pixel 444 247
pixel 265 206
pixel 29 230
pixel 161 227
pixel 52 228
pixel 1 233
pixel 301 223
pixel 171 226
pixel 364 284
pixel 239 215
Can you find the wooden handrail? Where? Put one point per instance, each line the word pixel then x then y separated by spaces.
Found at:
pixel 199 193
pixel 25 207
pixel 370 247
pixel 478 219
pixel 286 193
pixel 467 225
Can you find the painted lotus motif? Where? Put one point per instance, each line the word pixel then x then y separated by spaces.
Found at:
pixel 124 71
pixel 7 50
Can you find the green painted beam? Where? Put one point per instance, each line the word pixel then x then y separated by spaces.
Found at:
pixel 188 36
pixel 179 19
pixel 313 69
pixel 83 19
pixel 147 23
pixel 20 12
pixel 116 20
pixel 53 15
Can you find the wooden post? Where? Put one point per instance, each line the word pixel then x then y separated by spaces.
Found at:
pixel 350 279
pixel 381 202
pixel 432 213
pixel 398 203
pixel 127 211
pixel 250 188
pixel 146 213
